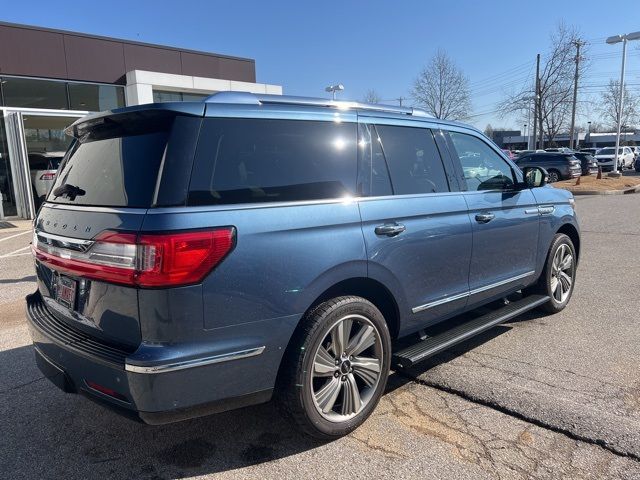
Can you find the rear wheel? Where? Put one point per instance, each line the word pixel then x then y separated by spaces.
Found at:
pixel 337 367
pixel 558 277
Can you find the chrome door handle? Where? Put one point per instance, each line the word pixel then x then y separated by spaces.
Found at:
pixel 390 229
pixel 484 217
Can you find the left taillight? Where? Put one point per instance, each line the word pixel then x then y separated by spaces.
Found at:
pixel 144 260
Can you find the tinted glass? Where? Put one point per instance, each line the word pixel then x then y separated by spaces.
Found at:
pixel 373 178
pixel 95 98
pixel 413 159
pixel 114 172
pixel 24 92
pixel 260 160
pixel 483 167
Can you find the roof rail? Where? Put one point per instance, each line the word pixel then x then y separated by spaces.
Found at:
pixel 264 99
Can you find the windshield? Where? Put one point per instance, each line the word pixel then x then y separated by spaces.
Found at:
pixel 609 151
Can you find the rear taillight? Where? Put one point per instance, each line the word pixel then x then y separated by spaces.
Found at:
pixel 48 176
pixel 144 260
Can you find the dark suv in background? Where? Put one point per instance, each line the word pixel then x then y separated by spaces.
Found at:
pixel 197 257
pixel 588 162
pixel 560 166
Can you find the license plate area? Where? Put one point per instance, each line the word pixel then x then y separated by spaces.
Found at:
pixel 66 292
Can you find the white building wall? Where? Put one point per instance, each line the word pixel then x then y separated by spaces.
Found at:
pixel 142 83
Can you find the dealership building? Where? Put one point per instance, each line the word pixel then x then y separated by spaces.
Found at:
pixel 49 78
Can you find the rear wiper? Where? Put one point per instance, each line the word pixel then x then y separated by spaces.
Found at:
pixel 68 190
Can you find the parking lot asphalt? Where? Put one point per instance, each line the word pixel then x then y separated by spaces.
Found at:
pixel 540 397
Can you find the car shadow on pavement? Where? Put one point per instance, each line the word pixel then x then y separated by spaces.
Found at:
pixel 49 434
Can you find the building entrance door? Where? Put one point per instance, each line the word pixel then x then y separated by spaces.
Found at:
pixel 36 144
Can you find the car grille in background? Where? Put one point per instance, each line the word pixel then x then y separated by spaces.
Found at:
pixel 69 337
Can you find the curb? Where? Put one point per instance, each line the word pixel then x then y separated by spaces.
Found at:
pixel 606 192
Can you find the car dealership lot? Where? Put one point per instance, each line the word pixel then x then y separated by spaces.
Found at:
pixel 542 396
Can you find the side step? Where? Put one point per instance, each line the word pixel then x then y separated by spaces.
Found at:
pixel 424 349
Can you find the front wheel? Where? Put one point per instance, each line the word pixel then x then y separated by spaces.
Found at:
pixel 337 367
pixel 558 277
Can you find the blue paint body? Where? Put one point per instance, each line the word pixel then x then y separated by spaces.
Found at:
pixel 287 255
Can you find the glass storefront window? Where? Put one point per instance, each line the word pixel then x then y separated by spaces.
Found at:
pixel 160 96
pixel 95 98
pixel 26 92
pixel 6 180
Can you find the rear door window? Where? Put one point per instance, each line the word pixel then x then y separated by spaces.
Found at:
pixel 266 160
pixel 413 159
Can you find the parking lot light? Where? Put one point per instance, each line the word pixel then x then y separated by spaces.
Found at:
pixel 612 41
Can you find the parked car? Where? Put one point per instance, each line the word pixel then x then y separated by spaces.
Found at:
pixel 559 150
pixel 43 167
pixel 636 152
pixel 605 158
pixel 196 257
pixel 560 166
pixel 522 153
pixel 588 163
pixel 592 151
pixel 637 164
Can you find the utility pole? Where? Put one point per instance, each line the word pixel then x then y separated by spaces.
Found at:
pixel 535 105
pixel 400 99
pixel 578 44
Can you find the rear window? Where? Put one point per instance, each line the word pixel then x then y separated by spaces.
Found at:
pixel 264 160
pixel 113 172
pixel 116 159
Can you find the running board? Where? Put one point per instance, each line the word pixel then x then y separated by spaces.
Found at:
pixel 430 346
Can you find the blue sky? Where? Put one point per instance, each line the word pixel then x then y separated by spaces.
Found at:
pixel 374 44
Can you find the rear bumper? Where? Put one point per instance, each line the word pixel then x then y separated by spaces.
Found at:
pixel 154 392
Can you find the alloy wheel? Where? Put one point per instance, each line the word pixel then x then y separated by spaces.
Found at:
pixel 346 368
pixel 562 271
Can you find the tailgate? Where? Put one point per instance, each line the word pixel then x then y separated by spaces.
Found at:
pixel 104 310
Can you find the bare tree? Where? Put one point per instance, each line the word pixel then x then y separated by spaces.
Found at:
pixel 371 96
pixel 556 85
pixel 608 106
pixel 443 89
pixel 488 130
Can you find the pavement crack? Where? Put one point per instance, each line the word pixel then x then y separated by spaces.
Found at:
pixel 518 415
pixel 22 385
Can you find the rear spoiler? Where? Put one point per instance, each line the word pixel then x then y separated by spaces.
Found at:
pixel 109 122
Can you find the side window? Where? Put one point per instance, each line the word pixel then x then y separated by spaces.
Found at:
pixel 483 168
pixel 413 159
pixel 263 160
pixel 373 177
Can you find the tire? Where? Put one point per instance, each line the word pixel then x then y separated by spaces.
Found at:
pixel 548 283
pixel 330 395
pixel 554 176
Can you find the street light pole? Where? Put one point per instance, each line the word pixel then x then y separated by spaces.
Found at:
pixel 338 87
pixel 611 41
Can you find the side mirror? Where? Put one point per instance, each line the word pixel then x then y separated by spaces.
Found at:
pixel 535 177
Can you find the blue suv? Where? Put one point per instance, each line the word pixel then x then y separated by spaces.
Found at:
pixel 197 257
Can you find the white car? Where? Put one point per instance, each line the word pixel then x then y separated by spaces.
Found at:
pixel 605 157
pixel 43 168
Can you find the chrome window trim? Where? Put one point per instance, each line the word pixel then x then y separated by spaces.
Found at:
pixel 89 208
pixel 198 362
pixel 460 296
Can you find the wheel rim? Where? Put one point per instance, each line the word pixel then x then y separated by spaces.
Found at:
pixel 562 273
pixel 553 177
pixel 346 369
